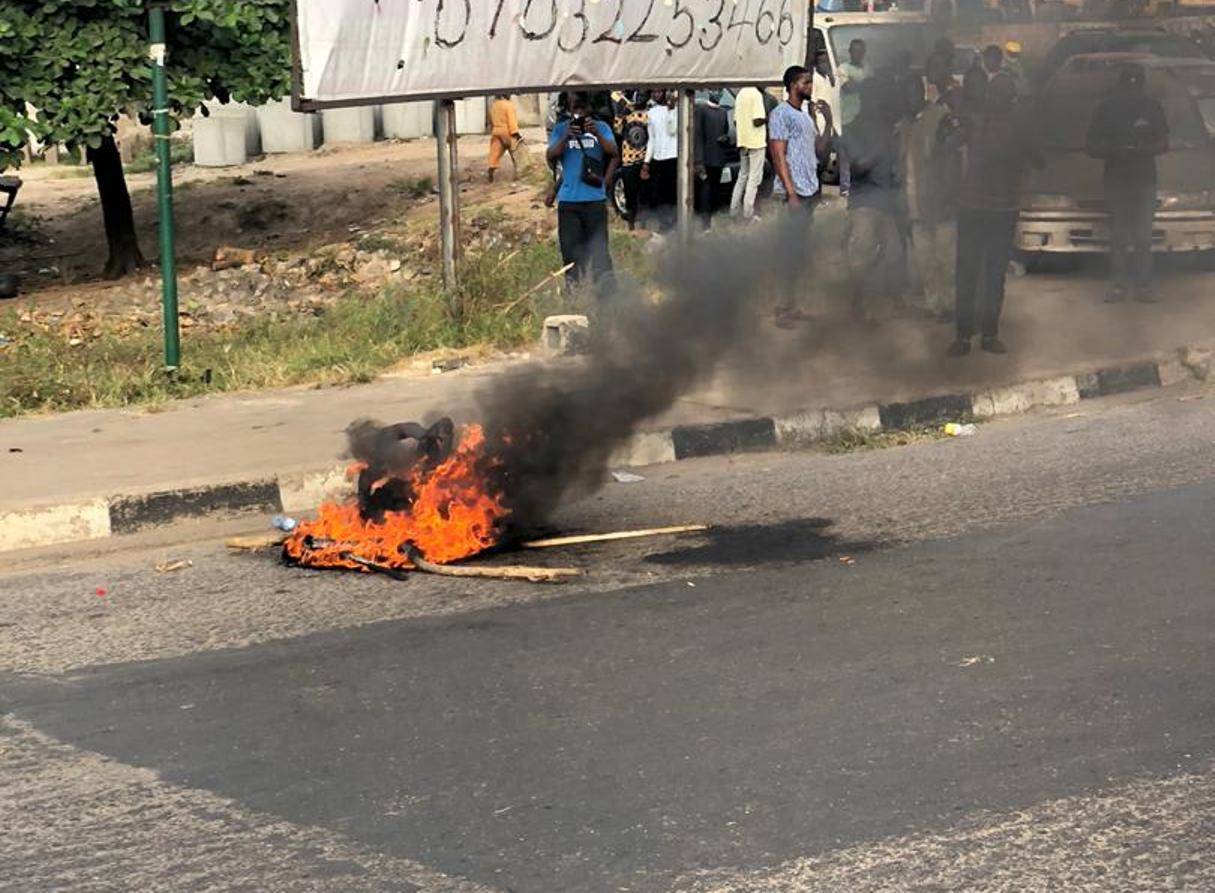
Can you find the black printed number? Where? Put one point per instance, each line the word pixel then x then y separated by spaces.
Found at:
pixel 681 12
pixel 765 33
pixel 580 16
pixel 715 21
pixel 737 22
pixel 493 26
pixel 609 33
pixel 552 21
pixel 639 35
pixel 785 37
pixel 449 42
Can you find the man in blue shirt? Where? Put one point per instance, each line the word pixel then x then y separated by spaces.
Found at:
pixel 586 150
pixel 796 146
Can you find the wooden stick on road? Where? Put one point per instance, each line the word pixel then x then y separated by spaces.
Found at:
pixel 555 542
pixel 533 574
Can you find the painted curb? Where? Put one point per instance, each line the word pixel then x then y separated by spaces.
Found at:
pixel 298 492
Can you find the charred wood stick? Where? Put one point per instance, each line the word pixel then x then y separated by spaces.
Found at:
pixel 375 567
pixel 534 574
pixel 608 537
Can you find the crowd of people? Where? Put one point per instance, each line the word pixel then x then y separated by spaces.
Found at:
pixel 929 165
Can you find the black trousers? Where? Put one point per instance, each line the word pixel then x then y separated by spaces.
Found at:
pixel 631 177
pixel 1132 211
pixel 582 231
pixel 706 194
pixel 793 237
pixel 984 244
pixel 663 188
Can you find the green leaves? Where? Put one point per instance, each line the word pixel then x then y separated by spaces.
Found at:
pixel 81 63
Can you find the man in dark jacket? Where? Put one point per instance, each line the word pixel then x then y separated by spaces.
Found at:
pixel 711 139
pixel 1128 131
pixel 998 147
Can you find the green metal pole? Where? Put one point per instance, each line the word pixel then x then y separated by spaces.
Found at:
pixel 161 130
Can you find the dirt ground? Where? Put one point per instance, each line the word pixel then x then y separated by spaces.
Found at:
pixel 278 204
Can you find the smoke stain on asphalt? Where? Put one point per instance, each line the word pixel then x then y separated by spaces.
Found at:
pixel 802 539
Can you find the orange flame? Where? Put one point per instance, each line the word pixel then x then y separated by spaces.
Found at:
pixel 453 516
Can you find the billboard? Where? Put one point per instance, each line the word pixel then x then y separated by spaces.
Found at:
pixel 355 52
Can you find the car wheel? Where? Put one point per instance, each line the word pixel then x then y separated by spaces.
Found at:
pixel 618 200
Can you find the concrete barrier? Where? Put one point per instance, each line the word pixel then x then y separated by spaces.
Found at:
pixel 284 130
pixel 409 120
pixel 354 126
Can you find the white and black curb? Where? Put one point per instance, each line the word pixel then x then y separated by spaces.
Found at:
pixel 300 492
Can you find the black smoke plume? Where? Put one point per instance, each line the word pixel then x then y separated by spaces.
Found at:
pixel 556 427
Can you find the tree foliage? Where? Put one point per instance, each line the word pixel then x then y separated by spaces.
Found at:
pixel 82 63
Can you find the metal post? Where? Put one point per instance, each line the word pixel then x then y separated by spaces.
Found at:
pixel 161 129
pixel 685 178
pixel 449 191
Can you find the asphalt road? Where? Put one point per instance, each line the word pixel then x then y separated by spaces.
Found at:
pixel 969 665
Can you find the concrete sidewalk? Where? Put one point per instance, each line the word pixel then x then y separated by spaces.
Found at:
pixel 93 474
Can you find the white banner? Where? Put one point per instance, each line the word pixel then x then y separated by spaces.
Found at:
pixel 362 51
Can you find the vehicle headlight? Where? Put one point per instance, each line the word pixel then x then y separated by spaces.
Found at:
pixel 1048 201
pixel 1176 201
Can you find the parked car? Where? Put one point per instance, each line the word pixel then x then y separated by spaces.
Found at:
pixel 1063 203
pixel 1138 40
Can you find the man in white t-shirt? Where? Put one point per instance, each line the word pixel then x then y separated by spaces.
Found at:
pixel 661 156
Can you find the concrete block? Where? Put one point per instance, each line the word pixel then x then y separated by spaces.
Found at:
pixel 220 141
pixel 284 130
pixel 820 424
pixel 1172 370
pixel 1061 391
pixel 30 528
pixel 566 335
pixel 305 491
pixel 409 120
pixel 354 126
pixel 866 418
pixel 646 448
pixel 245 114
pixel 1198 361
pixel 471 115
pixel 802 428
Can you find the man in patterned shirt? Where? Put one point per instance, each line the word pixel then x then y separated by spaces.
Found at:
pixel 634 136
pixel 796 146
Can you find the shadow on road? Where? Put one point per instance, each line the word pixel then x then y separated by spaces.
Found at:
pixel 803 539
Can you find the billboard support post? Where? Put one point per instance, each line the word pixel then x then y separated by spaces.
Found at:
pixel 449 191
pixel 685 178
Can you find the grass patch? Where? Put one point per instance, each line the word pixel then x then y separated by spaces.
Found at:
pixel 852 440
pixel 380 242
pixel 352 342
pixel 69 172
pixel 180 152
pixel 413 187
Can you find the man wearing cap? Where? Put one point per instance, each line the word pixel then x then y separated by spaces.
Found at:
pixel 1014 67
pixel 1128 131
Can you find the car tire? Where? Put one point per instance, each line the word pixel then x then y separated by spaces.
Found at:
pixel 618 199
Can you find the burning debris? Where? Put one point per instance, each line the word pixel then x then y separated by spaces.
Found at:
pixel 421 493
pixel 430 496
pixel 425 499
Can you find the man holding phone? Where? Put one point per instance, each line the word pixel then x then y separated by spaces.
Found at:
pixel 796 147
pixel 587 151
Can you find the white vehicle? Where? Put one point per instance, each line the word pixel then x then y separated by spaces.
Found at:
pixel 891 38
pixel 1063 203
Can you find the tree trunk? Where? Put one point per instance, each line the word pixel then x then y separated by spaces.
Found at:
pixel 125 256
